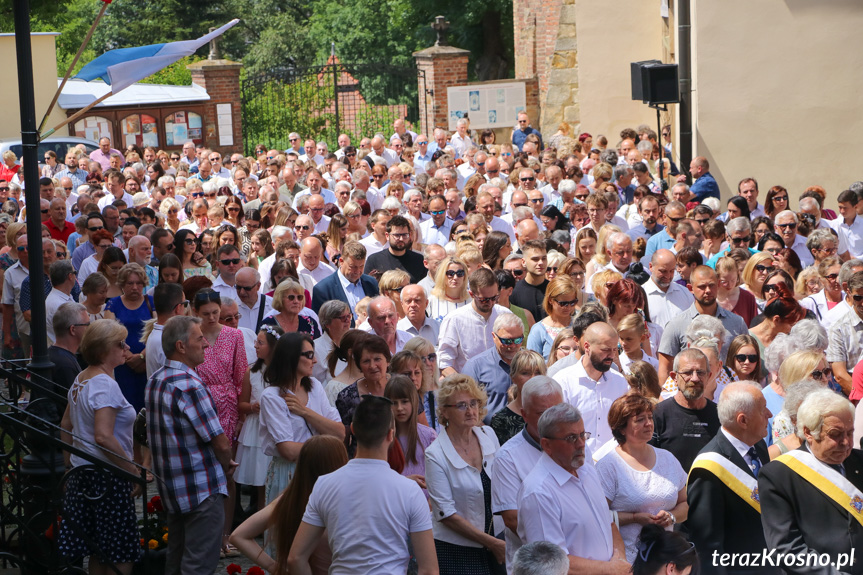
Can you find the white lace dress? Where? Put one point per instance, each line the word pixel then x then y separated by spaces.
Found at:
pixel 250 454
pixel 636 491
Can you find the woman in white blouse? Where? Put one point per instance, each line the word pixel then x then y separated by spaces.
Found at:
pixel 450 289
pixel 458 470
pixel 644 484
pixel 293 408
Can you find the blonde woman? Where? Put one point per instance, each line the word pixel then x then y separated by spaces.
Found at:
pixel 450 289
pixel 755 271
pixel 559 304
pixel 564 344
pixel 289 300
pixel 431 375
pixel 808 283
pixel 797 367
pixel 601 281
pixel 354 214
pixel 391 285
pixel 601 258
pixel 585 243
pixel 171 209
pixel 555 260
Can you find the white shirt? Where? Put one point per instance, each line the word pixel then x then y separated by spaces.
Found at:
pixel 249 316
pixel 835 314
pixel 373 246
pixel 329 196
pixel 264 269
pixel 319 273
pixel 464 333
pixel 665 305
pixel 278 424
pixel 853 233
pixel 802 251
pixel 432 234
pixel 499 225
pixel 429 330
pixel 569 511
pixel 88 266
pixel 592 398
pixel 757 212
pixel 353 291
pixel 455 487
pixel 224 289
pixel 512 463
pixel 55 299
pixel 461 144
pixel 368 523
pixel 388 156
pixel 323 346
pixel 12 280
pixel 402 337
pixel 323 225
pixel 154 355
pixel 317 159
pixel 85 399
pixel 109 199
pixel 625 362
pixel 846 340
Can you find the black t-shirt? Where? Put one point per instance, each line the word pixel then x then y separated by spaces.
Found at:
pixel 682 431
pixel 530 298
pixel 66 369
pixel 384 261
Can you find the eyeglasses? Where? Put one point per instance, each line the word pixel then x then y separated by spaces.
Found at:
pixel 61 255
pixel 430 358
pixel 536 200
pixel 569 303
pixel 233 209
pixel 24 249
pixel 485 300
pixel 235 316
pixel 687 375
pixel 80 324
pixel 551 269
pixel 230 262
pixel 294 297
pixel 857 298
pixel 44 211
pixel 572 438
pixel 751 358
pixel 581 197
pixel 189 241
pixel 298 228
pixel 510 340
pixel 762 268
pixel 780 198
pixel 771 288
pixel 669 218
pixel 531 179
pixel 399 236
pixel 517 273
pixel 398 289
pixel 175 158
pixel 819 373
pixel 463 405
pixel 702 221
pixel 741 240
pixel 438 213
pixel 308 354
pixel 197 194
pixel 790 226
pixel 96 229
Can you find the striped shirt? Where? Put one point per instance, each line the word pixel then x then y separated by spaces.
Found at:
pixel 181 424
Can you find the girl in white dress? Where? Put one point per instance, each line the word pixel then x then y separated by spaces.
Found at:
pixel 250 452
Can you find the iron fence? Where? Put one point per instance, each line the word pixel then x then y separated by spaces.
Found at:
pixel 33 478
pixel 327 100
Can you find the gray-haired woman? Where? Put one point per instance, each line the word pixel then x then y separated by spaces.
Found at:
pixel 335 318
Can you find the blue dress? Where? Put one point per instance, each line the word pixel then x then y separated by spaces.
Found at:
pixel 132 384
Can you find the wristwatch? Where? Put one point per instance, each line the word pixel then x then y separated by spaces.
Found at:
pixel 141 355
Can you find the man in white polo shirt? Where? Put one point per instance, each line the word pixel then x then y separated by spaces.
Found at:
pixel 665 297
pixel 310 260
pixel 368 511
pixel 253 307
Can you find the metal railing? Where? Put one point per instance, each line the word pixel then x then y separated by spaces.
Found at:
pixel 33 476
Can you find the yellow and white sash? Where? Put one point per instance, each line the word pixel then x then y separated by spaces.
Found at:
pixel 827 480
pixel 736 479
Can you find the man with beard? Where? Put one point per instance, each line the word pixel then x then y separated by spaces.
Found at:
pixel 648 209
pixel 675 212
pixel 590 385
pixel 704 285
pixel 561 501
pixel 688 421
pixel 397 255
pixel 665 298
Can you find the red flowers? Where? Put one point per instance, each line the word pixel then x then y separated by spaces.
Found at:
pixel 233 569
pixel 255 570
pixel 155 504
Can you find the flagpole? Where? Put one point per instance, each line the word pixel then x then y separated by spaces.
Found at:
pixel 74 61
pixel 76 115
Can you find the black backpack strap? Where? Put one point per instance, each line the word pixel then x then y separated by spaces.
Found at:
pixel 261 313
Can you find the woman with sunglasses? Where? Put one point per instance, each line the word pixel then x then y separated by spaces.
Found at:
pixel 187 248
pixel 223 370
pixel 294 407
pixel 770 288
pixel 744 358
pixel 289 299
pixel 755 272
pixel 559 304
pixel 234 209
pixel 450 289
pixel 780 314
pixel 775 201
pixel 509 421
pixel 171 210
pixel 831 293
pixel 799 367
pixel 431 375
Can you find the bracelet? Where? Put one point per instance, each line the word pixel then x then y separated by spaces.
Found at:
pixel 673 518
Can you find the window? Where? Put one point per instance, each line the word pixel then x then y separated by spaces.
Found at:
pixel 93 128
pixel 139 129
pixel 183 126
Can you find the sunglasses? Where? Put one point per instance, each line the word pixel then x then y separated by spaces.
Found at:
pixel 751 358
pixel 438 213
pixel 819 373
pixel 510 340
pixel 232 261
pixel 245 288
pixel 831 277
pixel 740 240
pixel 771 287
pixel 569 303
pixel 780 199
pixel 460 274
pixel 298 228
pixel 527 179
pixel 552 269
pixel 790 226
pixel 308 354
pixel 430 357
pixel 294 297
pixel 762 268
pixel 517 273
pixel 857 298
pixel 537 200
pixel 175 158
pixel 208 296
pixel 485 300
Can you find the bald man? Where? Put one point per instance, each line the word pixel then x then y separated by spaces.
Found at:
pixel 665 297
pixel 526 231
pixel 310 260
pixel 591 385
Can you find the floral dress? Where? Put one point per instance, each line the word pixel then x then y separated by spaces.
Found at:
pixel 223 369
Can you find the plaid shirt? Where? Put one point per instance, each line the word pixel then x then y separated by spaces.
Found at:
pixel 181 423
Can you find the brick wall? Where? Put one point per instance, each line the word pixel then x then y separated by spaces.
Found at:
pixel 444 67
pixel 221 80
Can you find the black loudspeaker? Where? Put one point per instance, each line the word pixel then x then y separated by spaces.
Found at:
pixel 637 83
pixel 659 84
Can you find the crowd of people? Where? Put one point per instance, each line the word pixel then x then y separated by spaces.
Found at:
pixel 450 355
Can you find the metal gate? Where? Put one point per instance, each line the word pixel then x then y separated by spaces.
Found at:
pixel 324 101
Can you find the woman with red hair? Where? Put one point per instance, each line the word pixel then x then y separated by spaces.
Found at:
pixel 626 297
pixel 780 314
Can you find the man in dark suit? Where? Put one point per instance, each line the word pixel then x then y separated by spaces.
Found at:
pixel 724 513
pixel 348 284
pixel 812 497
